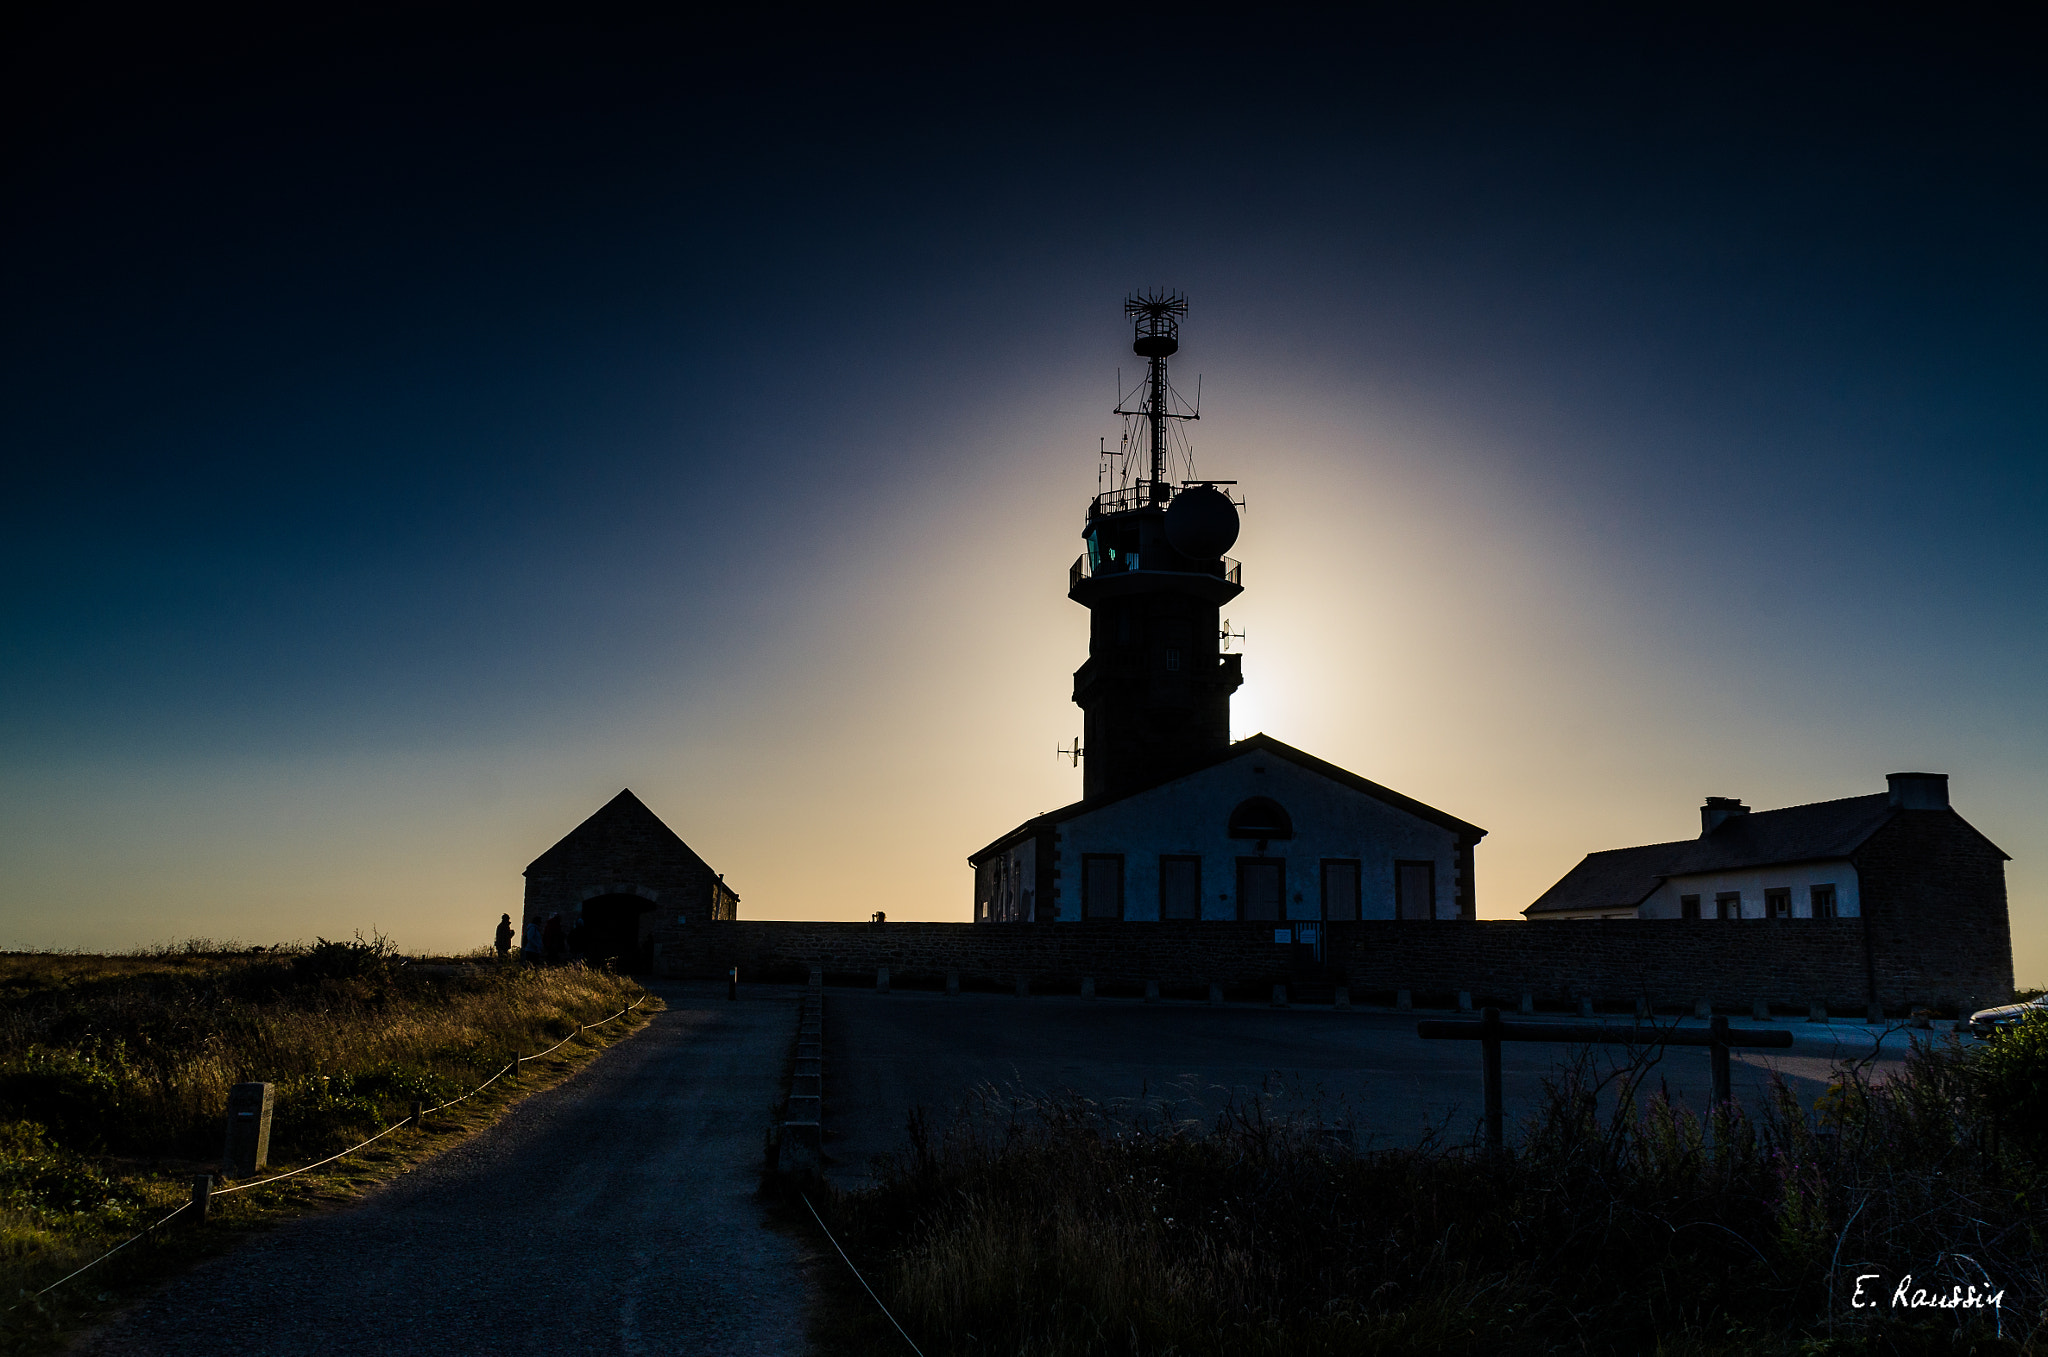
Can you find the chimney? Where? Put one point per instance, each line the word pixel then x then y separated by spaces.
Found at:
pixel 1717 809
pixel 1919 791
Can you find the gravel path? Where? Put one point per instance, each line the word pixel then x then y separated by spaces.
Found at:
pixel 612 1214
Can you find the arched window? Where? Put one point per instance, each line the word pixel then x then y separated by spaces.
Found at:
pixel 1260 818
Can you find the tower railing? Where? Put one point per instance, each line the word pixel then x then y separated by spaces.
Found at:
pixel 1227 569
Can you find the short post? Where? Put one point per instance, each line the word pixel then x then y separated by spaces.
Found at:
pixel 1817 1012
pixel 952 984
pixel 1760 1011
pixel 1464 1001
pixel 1642 1007
pixel 202 1197
pixel 1215 993
pixel 1718 1057
pixel 1279 996
pixel 881 979
pixel 248 1145
pixel 732 983
pixel 1087 987
pixel 419 1114
pixel 1528 1004
pixel 1343 999
pixel 1703 1008
pixel 1489 1055
pixel 1586 1007
pixel 1151 991
pixel 1404 999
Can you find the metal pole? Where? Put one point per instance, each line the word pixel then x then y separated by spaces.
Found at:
pixel 1489 1049
pixel 1718 1029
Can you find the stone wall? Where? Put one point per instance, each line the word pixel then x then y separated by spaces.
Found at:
pixel 1934 895
pixel 1791 963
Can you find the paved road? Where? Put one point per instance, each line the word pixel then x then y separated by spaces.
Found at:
pixel 889 1052
pixel 612 1214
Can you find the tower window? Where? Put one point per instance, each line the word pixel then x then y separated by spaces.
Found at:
pixel 1172 660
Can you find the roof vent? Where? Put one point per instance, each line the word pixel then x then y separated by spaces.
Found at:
pixel 1919 791
pixel 1717 810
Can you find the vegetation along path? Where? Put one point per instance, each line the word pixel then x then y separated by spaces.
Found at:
pixel 614 1213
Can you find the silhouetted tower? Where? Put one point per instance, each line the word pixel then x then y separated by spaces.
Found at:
pixel 1156 688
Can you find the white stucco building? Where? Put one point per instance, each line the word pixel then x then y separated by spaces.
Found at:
pixel 1262 831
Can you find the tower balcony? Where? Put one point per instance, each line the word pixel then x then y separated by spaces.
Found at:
pixel 1085 579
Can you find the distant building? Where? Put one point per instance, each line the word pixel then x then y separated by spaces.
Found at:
pixel 621 878
pixel 1927 883
pixel 1175 821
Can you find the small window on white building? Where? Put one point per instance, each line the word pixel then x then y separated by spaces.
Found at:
pixel 1824 902
pixel 1102 885
pixel 1728 905
pixel 1180 888
pixel 1778 903
pixel 1415 890
pixel 1688 907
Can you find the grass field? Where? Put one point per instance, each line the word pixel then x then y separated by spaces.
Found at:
pixel 1618 1223
pixel 114 1073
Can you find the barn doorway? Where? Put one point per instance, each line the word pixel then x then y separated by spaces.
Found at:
pixel 611 930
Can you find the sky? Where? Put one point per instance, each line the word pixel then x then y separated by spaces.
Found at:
pixel 420 425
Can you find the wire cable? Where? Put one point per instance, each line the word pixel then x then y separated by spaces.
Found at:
pixel 103 1257
pixel 857 1277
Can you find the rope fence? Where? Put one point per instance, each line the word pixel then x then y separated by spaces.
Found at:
pixel 516 1062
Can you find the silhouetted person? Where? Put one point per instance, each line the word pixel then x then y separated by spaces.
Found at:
pixel 504 936
pixel 554 941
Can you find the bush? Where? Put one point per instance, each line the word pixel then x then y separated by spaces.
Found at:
pixel 2011 1085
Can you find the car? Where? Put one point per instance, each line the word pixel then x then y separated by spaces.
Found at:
pixel 1986 1021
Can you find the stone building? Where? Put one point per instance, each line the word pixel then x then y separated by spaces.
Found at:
pixel 1925 882
pixel 620 880
pixel 1175 821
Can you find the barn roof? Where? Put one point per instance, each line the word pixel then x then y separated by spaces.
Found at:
pixel 624 821
pixel 1252 744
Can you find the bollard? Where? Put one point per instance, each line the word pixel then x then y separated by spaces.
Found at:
pixel 202 1197
pixel 1151 991
pixel 1585 1008
pixel 1404 998
pixel 1817 1013
pixel 732 983
pixel 1215 993
pixel 1464 1001
pixel 419 1114
pixel 248 1143
pixel 1528 1004
pixel 1760 1011
pixel 1343 999
pixel 881 979
pixel 1023 987
pixel 1723 1089
pixel 1087 987
pixel 1703 1008
pixel 1279 996
pixel 952 984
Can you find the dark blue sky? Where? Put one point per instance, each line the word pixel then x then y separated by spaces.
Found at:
pixel 420 426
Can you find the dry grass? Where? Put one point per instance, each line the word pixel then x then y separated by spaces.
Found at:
pixel 114 1074
pixel 1619 1223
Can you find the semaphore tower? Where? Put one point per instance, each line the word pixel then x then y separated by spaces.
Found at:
pixel 1156 688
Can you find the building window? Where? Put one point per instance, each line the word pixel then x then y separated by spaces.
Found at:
pixel 1260 818
pixel 1688 907
pixel 1261 886
pixel 1728 905
pixel 1180 888
pixel 1415 890
pixel 1102 885
pixel 1340 889
pixel 1778 903
pixel 1824 902
pixel 1172 660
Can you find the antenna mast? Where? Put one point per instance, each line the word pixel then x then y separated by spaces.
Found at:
pixel 1157 315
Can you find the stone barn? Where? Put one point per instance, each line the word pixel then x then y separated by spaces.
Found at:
pixel 621 877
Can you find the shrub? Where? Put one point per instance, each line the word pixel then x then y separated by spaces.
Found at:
pixel 2011 1085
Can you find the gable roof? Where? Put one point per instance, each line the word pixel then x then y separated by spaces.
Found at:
pixel 1622 878
pixel 1251 744
pixel 624 818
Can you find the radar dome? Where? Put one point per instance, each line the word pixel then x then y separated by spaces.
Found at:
pixel 1201 523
